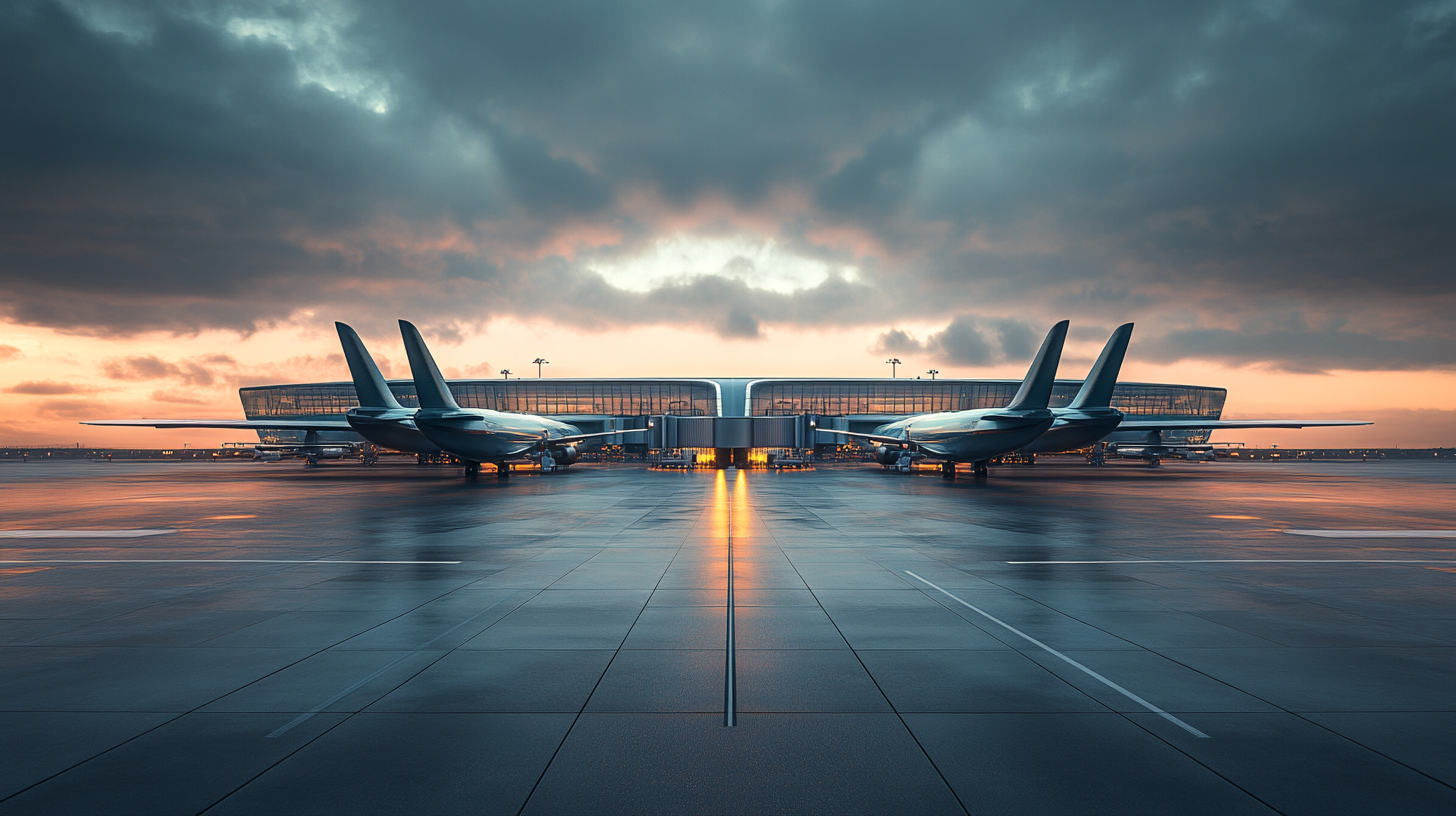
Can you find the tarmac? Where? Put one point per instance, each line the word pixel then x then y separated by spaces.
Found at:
pixel 1060 639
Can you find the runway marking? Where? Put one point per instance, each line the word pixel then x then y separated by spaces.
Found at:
pixel 226 518
pixel 1254 561
pixel 1240 518
pixel 730 666
pixel 304 717
pixel 1375 533
pixel 1049 650
pixel 206 561
pixel 136 533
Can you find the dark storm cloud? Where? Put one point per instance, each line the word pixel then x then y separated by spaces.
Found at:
pixel 968 340
pixel 185 166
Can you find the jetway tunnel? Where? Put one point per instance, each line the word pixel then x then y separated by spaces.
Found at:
pixel 732 438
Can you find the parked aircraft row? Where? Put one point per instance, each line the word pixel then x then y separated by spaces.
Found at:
pixel 1028 426
pixel 1025 425
pixel 439 425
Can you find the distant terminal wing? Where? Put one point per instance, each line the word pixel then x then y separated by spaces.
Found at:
pixel 234 424
pixel 1215 424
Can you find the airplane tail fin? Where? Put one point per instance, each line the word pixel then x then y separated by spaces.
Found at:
pixel 429 385
pixel 368 382
pixel 1036 390
pixel 1097 390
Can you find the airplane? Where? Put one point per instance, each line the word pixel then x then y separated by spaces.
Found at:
pixel 977 435
pixel 379 418
pixel 1089 416
pixel 476 435
pixel 1090 419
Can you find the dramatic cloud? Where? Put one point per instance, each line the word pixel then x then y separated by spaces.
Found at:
pixel 1196 166
pixel 968 340
pixel 45 388
pixel 10 353
pixel 200 371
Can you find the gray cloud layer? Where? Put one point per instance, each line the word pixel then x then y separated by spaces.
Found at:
pixel 1205 165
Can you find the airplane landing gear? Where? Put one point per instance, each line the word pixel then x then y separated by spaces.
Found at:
pixel 503 471
pixel 947 470
pixel 310 461
pixel 472 469
pixel 1155 461
pixel 980 469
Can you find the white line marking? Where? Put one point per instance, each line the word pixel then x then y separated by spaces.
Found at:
pixel 1375 533
pixel 141 533
pixel 207 561
pixel 1115 687
pixel 302 718
pixel 1254 561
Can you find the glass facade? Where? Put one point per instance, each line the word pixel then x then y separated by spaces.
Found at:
pixel 309 400
pixel 891 398
pixel 548 397
pixel 865 402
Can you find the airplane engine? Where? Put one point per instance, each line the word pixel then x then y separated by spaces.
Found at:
pixel 886 455
pixel 267 456
pixel 565 455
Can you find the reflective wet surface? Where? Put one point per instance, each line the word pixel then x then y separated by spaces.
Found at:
pixel 1057 639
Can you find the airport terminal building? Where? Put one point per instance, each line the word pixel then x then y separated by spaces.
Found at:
pixel 718 412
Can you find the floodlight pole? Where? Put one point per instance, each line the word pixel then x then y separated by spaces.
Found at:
pixel 893 362
pixel 505 373
pixel 932 372
pixel 540 362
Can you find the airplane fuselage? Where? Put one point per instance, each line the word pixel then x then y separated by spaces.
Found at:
pixel 488 436
pixel 971 436
pixel 392 428
pixel 1074 429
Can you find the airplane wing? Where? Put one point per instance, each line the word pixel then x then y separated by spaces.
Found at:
pixel 1215 424
pixel 235 424
pixel 572 440
pixel 876 438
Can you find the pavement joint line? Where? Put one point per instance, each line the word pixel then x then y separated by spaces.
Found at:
pixel 898 714
pixel 730 666
pixel 1374 533
pixel 587 702
pixel 349 715
pixel 1049 650
pixel 304 717
pixel 213 561
pixel 131 533
pixel 1249 561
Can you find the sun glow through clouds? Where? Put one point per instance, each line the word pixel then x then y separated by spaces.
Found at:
pixel 759 263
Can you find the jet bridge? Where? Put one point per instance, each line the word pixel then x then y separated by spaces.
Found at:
pixel 732 438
